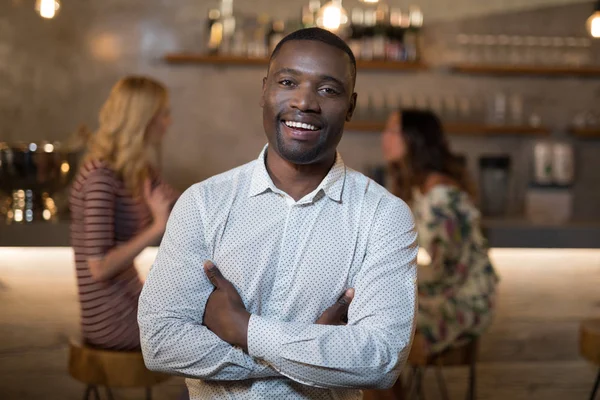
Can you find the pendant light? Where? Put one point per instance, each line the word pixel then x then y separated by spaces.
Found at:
pixel 47 8
pixel 333 17
pixel 593 22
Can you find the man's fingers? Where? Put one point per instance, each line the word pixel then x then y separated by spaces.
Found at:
pixel 343 303
pixel 346 298
pixel 212 273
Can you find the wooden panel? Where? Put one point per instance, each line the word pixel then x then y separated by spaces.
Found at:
pixel 586 133
pixel 457 129
pixel 557 71
pixel 196 58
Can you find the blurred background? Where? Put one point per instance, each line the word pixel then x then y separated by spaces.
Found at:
pixel 515 82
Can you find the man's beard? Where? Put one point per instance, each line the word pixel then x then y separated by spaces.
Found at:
pixel 295 153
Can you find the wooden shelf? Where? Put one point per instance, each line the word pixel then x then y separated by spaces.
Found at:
pixel 196 58
pixel 528 70
pixel 457 129
pixel 586 133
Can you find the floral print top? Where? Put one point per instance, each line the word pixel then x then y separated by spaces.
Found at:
pixel 457 289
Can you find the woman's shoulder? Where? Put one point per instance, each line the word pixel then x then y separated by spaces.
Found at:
pixel 449 199
pixel 97 169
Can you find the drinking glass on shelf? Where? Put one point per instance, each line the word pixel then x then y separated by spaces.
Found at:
pixel 363 112
pixel 392 102
pixel 516 109
pixel 476 48
pixel 584 46
pixel 463 47
pixel 557 50
pixel 436 104
pixel 379 111
pixel 516 49
pixel 531 48
pixel 470 110
pixel 407 101
pixel 503 49
pixel 450 108
pixel 489 49
pixel 497 105
pixel 570 55
pixel 544 53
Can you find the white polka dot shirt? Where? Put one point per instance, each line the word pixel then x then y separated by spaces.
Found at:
pixel 289 261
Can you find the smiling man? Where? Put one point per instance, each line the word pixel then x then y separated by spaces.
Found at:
pixel 292 276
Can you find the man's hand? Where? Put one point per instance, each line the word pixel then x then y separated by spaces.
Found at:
pixel 337 314
pixel 225 314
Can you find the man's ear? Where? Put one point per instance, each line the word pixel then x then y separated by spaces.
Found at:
pixel 262 95
pixel 352 107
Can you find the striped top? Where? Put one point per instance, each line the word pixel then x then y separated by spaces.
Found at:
pixel 105 215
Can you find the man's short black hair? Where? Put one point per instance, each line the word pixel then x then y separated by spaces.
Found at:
pixel 320 35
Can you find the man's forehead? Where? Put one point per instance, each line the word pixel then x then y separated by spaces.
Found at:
pixel 311 56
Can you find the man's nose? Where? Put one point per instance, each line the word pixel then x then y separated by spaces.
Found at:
pixel 306 99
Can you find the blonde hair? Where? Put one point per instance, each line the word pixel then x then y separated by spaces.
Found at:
pixel 120 140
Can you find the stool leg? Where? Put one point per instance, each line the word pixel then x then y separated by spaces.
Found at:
pixel 148 393
pixel 418 383
pixel 109 394
pixel 472 382
pixel 411 384
pixel 441 383
pixel 398 391
pixel 96 392
pixel 88 391
pixel 596 385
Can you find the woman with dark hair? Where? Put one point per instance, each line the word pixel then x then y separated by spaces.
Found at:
pixel 457 289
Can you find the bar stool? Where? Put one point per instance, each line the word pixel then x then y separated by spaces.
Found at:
pixel 419 359
pixel 111 369
pixel 589 347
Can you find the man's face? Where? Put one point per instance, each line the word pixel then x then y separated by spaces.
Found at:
pixel 306 98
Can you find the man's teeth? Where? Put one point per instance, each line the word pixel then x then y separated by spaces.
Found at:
pixel 302 125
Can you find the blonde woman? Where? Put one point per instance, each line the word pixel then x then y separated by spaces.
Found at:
pixel 119 206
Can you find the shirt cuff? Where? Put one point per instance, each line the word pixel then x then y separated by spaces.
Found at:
pixel 264 338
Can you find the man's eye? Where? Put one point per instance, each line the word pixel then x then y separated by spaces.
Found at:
pixel 286 82
pixel 330 91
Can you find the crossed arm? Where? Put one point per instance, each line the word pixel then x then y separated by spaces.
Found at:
pixel 178 336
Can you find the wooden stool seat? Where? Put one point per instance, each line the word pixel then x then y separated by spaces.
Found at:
pixel 112 369
pixel 419 359
pixel 589 346
pixel 463 354
pixel 589 340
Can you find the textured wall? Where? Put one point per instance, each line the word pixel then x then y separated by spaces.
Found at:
pixel 55 74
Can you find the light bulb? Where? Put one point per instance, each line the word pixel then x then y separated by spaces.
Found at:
pixel 333 17
pixel 593 25
pixel 370 1
pixel 47 8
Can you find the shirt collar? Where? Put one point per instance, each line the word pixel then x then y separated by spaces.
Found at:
pixel 332 185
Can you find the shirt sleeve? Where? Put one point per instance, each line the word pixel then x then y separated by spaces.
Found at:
pixel 171 307
pixel 370 351
pixel 99 197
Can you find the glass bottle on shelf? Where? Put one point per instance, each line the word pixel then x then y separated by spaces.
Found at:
pixel 395 34
pixel 309 14
pixel 214 31
pixel 380 33
pixel 412 36
pixel 229 23
pixel 275 34
pixel 366 47
pixel 357 21
pixel 257 46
